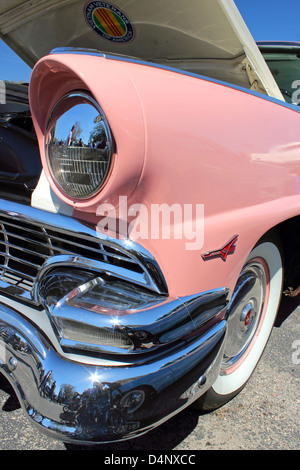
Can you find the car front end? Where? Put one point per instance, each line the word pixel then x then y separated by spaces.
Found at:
pixel 90 340
pixel 134 271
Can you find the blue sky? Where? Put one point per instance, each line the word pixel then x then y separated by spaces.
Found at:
pixel 266 19
pixel 271 19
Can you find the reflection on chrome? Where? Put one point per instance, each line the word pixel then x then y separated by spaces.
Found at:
pixel 78 145
pixel 84 402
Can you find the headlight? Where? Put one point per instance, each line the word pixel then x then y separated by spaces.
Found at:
pixel 78 146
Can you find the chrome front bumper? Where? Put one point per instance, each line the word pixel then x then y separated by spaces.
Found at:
pixel 89 403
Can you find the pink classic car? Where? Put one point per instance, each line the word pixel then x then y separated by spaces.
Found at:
pixel 149 221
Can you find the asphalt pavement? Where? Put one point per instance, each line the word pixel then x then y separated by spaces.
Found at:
pixel 264 416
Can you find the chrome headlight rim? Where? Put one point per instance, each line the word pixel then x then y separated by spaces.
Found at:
pixel 82 97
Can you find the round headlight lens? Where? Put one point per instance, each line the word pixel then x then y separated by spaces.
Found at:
pixel 78 146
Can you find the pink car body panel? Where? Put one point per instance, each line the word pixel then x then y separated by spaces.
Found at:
pixel 186 140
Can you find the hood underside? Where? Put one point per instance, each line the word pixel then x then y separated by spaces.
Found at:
pixel 207 37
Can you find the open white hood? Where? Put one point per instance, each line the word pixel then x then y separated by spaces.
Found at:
pixel 208 37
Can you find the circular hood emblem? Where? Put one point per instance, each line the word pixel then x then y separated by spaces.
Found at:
pixel 109 22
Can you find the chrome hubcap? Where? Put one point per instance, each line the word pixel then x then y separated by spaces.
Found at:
pixel 245 312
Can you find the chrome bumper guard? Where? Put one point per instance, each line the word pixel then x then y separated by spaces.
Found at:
pixel 79 402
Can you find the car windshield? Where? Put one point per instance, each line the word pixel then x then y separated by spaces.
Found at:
pixel 285 67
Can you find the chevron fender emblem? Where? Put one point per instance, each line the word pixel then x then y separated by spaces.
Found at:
pixel 223 252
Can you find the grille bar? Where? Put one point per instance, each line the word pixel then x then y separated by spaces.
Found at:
pixel 21 276
pixel 10 259
pixel 16 247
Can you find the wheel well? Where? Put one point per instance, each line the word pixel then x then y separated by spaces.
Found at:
pixel 289 233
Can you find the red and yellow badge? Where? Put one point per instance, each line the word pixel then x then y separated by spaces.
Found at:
pixel 109 21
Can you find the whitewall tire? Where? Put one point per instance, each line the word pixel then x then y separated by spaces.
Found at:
pixel 251 315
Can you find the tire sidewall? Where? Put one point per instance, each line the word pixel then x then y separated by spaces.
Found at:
pixel 230 384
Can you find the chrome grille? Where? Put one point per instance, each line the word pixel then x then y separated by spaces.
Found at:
pixel 25 246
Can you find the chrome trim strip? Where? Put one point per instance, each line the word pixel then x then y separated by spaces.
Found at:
pixel 97 411
pixel 155 323
pixel 76 50
pixel 134 60
pixel 293 45
pixel 90 265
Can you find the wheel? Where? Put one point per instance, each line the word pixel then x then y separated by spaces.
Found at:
pixel 251 315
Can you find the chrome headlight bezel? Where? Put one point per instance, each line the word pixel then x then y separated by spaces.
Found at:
pixel 66 103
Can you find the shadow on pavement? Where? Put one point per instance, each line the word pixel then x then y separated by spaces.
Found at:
pixel 287 306
pixel 12 403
